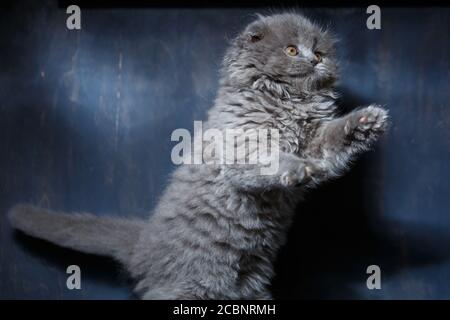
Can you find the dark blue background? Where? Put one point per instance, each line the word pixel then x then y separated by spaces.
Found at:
pixel 86 118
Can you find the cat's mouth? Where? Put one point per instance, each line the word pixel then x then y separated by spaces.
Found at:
pixel 313 70
pixel 302 73
pixel 315 73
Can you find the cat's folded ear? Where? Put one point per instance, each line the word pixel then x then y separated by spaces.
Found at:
pixel 254 37
pixel 255 32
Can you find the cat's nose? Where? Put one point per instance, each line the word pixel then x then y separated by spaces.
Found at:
pixel 314 60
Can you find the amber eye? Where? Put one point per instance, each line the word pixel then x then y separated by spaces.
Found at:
pixel 318 56
pixel 291 51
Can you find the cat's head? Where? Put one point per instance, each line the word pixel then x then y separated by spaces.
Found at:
pixel 286 49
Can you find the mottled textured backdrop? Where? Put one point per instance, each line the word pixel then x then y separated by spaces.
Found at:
pixel 86 118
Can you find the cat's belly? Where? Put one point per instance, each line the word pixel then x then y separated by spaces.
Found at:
pixel 211 244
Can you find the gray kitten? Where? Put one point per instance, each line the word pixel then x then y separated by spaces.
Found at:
pixel 217 228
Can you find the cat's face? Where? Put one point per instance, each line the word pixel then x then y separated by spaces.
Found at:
pixel 287 48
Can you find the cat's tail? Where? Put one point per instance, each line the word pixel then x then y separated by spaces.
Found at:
pixel 84 232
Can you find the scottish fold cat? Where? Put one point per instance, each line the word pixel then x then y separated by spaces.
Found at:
pixel 217 228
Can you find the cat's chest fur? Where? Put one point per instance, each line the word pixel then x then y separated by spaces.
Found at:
pixel 297 121
pixel 295 118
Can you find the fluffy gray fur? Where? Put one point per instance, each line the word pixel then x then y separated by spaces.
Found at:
pixel 217 228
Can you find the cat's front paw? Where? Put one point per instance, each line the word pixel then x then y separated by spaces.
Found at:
pixel 367 124
pixel 301 175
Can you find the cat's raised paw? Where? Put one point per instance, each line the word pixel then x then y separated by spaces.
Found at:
pixel 367 123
